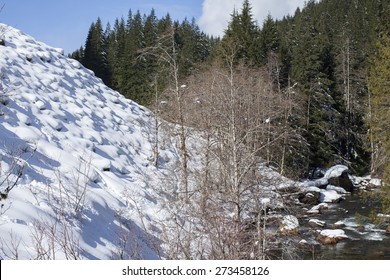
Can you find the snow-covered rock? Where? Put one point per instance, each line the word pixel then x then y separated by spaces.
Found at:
pixel 338 175
pixel 375 182
pixel 331 236
pixel 384 217
pixel 338 225
pixel 335 171
pixel 303 242
pixel 330 196
pixel 339 190
pixel 289 225
pixel 309 195
pixel 315 223
pixel 366 182
pixel 318 183
pixel 318 208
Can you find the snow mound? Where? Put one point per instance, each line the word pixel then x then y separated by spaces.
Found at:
pixel 85 153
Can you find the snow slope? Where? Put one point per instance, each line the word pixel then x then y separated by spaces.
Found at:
pixel 88 180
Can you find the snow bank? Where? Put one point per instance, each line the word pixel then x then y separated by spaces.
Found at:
pixel 87 153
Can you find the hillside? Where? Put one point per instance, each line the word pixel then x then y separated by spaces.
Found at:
pixel 84 153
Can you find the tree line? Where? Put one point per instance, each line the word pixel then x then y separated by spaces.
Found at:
pixel 114 53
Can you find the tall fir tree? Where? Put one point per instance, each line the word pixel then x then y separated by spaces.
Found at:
pixel 136 85
pixel 379 85
pixel 243 33
pixel 116 54
pixel 94 52
pixel 269 37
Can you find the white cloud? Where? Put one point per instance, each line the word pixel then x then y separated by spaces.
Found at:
pixel 216 13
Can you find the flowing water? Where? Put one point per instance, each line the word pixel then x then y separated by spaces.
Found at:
pixel 366 241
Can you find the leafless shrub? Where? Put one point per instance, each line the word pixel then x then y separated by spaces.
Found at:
pixel 10 177
pixel 128 246
pixel 54 238
pixel 12 165
pixel 131 244
pixel 73 188
pixel 10 249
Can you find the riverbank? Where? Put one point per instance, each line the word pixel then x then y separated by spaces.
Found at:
pixel 331 220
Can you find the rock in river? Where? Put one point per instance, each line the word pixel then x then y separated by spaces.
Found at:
pixel 289 225
pixel 338 176
pixel 331 236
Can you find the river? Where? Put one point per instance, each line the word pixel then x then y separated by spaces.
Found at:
pixel 367 241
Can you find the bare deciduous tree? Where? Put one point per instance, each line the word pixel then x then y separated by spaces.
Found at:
pixel 244 120
pixel 166 52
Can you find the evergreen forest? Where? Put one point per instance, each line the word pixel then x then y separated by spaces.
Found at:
pixel 311 89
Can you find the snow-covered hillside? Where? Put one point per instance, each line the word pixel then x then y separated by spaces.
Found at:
pixel 88 187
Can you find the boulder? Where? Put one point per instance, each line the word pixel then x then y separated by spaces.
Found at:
pixel 374 184
pixel 330 196
pixel 384 217
pixel 360 182
pixel 338 225
pixel 289 225
pixel 317 209
pixel 388 229
pixel 331 236
pixel 303 242
pixel 338 176
pixel 315 223
pixel 309 196
pixel 319 183
pixel 339 190
pixel 335 171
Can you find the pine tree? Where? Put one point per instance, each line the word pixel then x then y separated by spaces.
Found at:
pixel 116 54
pixel 193 46
pixel 78 54
pixel 312 67
pixel 151 29
pixel 269 38
pixel 109 48
pixel 379 85
pixel 94 54
pixel 243 32
pixel 135 86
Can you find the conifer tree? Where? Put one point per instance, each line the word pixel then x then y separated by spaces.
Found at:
pixel 116 54
pixel 109 49
pixel 312 67
pixel 78 54
pixel 269 37
pixel 379 85
pixel 150 29
pixel 136 85
pixel 244 33
pixel 94 53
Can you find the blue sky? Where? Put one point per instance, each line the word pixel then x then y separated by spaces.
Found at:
pixel 65 23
